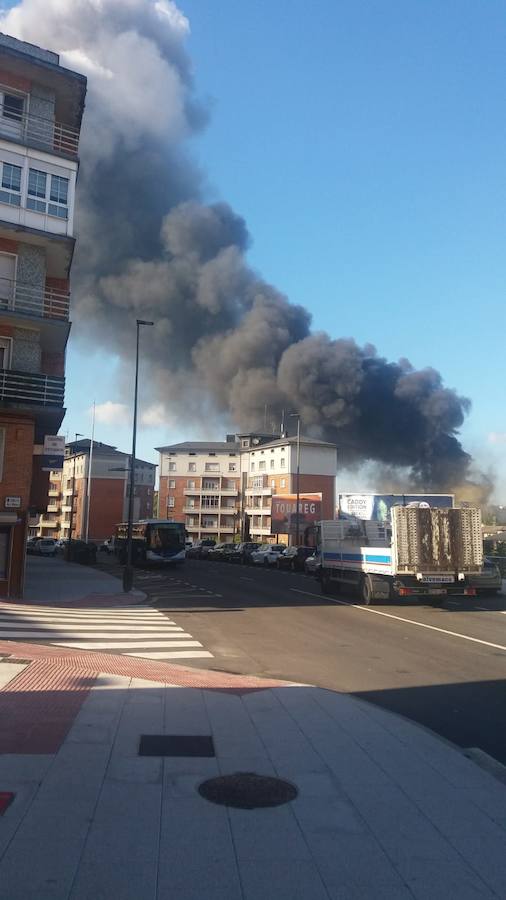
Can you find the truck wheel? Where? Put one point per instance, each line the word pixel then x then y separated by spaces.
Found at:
pixel 366 591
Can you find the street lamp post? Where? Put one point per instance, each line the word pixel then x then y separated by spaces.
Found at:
pixel 128 575
pixel 71 523
pixel 297 483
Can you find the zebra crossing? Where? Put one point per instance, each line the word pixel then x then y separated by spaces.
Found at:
pixel 130 631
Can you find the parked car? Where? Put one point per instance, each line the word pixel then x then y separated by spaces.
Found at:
pixel 242 552
pixel 199 549
pixel 267 554
pixel 45 547
pixel 312 563
pixel 218 552
pixel 81 552
pixel 294 558
pixel 31 545
pixel 489 580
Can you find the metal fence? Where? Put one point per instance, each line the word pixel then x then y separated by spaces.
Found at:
pixel 25 387
pixel 44 133
pixel 17 296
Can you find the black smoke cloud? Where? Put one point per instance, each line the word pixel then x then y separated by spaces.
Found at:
pixel 224 340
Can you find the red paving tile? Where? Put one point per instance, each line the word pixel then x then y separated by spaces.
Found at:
pixel 39 705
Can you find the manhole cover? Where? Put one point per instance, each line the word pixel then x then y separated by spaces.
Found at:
pixel 245 790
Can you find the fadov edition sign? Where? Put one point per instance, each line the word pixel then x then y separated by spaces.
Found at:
pixel 284 512
pixel 378 506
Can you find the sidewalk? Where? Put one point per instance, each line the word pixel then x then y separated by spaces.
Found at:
pixel 385 810
pixel 54 582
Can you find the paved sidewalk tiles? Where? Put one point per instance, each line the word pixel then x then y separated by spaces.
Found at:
pixel 385 810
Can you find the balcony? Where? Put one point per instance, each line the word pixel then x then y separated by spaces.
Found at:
pixel 191 509
pixel 258 492
pixel 31 388
pixel 209 529
pixel 53 507
pixel 46 134
pixel 257 510
pixel 214 492
pixel 53 493
pixel 18 297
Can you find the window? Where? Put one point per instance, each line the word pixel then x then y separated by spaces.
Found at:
pixel 283 482
pixel 58 197
pixel 170 502
pixel 258 482
pixel 172 483
pixel 232 467
pixel 212 454
pixel 209 484
pixel 210 501
pixel 7 275
pixel 13 107
pixel 190 484
pixel 252 466
pixel 273 483
pixel 172 467
pixel 212 467
pixel 282 462
pixel 5 352
pixel 37 187
pixel 261 464
pixel 232 454
pixel 272 463
pixel 192 467
pixel 11 181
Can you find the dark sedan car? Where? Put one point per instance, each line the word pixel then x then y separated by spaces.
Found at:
pixel 219 552
pixel 200 549
pixel 294 558
pixel 240 553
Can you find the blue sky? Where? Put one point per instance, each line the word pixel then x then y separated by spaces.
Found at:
pixel 364 142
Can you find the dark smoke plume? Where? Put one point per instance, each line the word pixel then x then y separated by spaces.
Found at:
pixel 149 246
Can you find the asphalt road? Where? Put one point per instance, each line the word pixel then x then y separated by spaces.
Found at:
pixel 444 667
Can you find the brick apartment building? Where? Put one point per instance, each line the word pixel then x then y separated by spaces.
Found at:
pixel 217 487
pixel 41 107
pixel 107 480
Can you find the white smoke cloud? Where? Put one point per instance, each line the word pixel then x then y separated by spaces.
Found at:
pixel 111 413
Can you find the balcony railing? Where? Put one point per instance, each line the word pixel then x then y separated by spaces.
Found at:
pixel 44 133
pixel 25 387
pixel 18 297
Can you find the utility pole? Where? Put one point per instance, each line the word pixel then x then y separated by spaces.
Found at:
pixel 128 574
pixel 297 483
pixel 90 468
pixel 69 545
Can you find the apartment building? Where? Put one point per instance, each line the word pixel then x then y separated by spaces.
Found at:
pixel 41 107
pixel 103 475
pixel 199 485
pixel 224 489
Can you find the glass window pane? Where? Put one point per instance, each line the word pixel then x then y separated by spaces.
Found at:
pixel 37 183
pixel 13 107
pixel 59 189
pixel 37 205
pixel 11 177
pixel 12 199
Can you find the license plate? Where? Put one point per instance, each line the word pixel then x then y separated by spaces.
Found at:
pixel 438 591
pixel 438 579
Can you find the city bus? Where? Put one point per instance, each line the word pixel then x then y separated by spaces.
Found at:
pixel 153 541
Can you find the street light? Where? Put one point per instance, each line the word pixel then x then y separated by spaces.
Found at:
pixel 128 574
pixel 297 530
pixel 69 545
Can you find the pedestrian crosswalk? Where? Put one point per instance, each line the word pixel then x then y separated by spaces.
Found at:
pixel 131 631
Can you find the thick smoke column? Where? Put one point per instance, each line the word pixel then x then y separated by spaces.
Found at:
pixel 149 246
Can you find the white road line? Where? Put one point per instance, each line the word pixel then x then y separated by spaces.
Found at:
pixel 127 645
pixel 377 612
pixel 53 636
pixel 96 614
pixel 177 654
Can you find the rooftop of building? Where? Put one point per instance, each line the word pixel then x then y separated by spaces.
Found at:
pixel 259 441
pixel 43 67
pixel 77 448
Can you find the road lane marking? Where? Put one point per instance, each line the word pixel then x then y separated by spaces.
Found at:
pixel 126 645
pixel 177 654
pixel 377 612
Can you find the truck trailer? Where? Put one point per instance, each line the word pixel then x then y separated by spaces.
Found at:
pixel 421 551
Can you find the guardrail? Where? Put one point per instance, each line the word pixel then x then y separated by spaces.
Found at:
pixel 27 387
pixel 45 133
pixel 17 296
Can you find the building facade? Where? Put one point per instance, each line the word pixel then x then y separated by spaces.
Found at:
pixel 41 107
pixel 102 478
pixel 224 489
